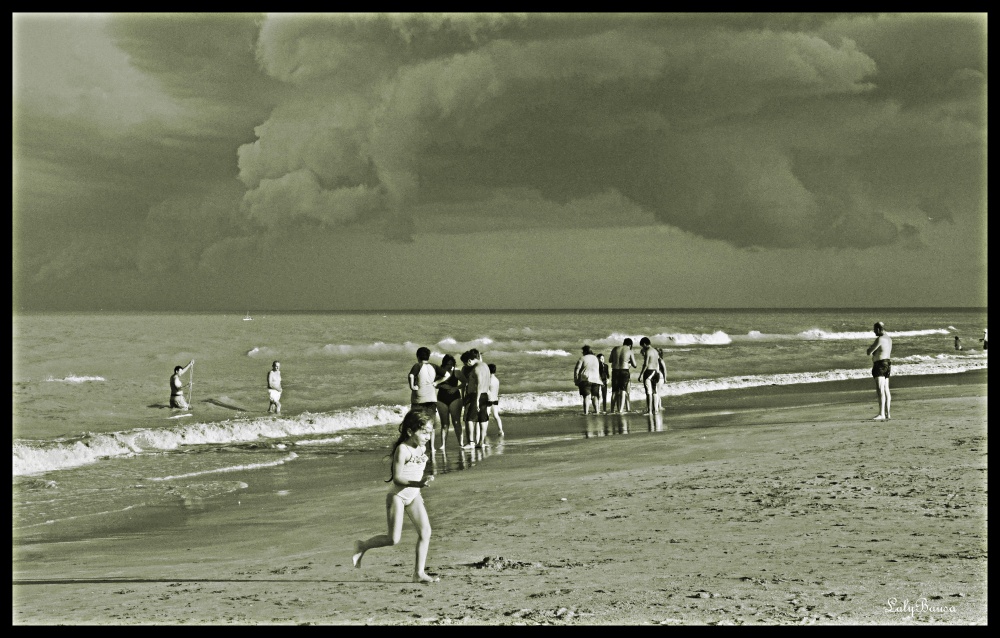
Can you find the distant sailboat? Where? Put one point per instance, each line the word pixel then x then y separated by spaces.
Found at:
pixel 248 317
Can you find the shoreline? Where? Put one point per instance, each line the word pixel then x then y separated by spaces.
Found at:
pixel 773 507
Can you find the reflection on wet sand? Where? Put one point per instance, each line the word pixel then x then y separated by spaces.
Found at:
pixel 463 458
pixel 620 423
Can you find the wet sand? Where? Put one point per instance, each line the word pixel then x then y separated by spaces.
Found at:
pixel 767 507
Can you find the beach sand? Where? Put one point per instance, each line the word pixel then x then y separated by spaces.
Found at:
pixel 793 509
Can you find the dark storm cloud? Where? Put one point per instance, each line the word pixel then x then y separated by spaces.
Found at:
pixel 702 121
pixel 196 139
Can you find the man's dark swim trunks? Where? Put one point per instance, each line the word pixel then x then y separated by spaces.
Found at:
pixel 620 379
pixel 477 406
pixel 881 368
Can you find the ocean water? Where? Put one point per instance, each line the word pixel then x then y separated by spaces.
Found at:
pixel 94 441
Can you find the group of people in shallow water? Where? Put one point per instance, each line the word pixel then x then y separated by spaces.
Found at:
pixel 591 375
pixel 464 399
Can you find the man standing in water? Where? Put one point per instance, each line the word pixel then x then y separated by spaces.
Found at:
pixel 274 387
pixel 177 387
pixel 587 376
pixel 649 373
pixel 880 350
pixel 622 360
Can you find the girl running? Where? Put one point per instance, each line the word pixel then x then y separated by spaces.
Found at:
pixel 408 460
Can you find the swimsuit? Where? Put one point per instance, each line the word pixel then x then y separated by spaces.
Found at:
pixel 588 389
pixel 448 390
pixel 620 379
pixel 413 470
pixel 477 407
pixel 654 378
pixel 274 394
pixel 881 368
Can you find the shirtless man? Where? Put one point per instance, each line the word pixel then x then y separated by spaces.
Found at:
pixel 649 373
pixel 880 350
pixel 622 359
pixel 477 399
pixel 177 387
pixel 274 388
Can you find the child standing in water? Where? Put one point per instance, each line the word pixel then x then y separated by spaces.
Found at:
pixel 408 460
pixel 494 397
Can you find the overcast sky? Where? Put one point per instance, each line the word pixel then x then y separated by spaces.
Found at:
pixel 441 161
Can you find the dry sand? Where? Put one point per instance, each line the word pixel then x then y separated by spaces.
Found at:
pixel 792 515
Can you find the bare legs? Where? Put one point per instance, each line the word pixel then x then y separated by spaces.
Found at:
pixel 884 398
pixel 445 418
pixel 495 413
pixel 647 385
pixel 417 513
pixel 481 428
pixel 471 431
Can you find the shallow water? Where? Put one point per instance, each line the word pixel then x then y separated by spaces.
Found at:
pixel 94 449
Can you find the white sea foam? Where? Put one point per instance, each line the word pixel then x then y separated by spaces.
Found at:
pixel 232 468
pixel 512 347
pixel 717 338
pixel 72 378
pixel 36 457
pixel 817 333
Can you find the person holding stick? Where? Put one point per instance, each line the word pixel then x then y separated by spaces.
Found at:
pixel 177 387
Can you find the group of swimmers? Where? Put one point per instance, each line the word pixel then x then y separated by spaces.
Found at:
pixel 591 375
pixel 449 393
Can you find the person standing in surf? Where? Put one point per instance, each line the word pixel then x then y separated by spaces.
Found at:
pixel 605 375
pixel 622 361
pixel 494 396
pixel 423 380
pixel 409 458
pixel 274 388
pixel 587 376
pixel 177 387
pixel 879 351
pixel 649 373
pixel 449 401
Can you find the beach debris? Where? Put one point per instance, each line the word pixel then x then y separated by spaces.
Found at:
pixel 499 563
pixel 563 498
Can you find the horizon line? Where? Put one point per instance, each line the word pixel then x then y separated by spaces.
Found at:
pixel 490 310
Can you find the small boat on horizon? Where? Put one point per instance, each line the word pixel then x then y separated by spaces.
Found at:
pixel 248 317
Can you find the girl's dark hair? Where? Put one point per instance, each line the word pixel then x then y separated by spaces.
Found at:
pixel 492 367
pixel 447 360
pixel 645 341
pixel 413 421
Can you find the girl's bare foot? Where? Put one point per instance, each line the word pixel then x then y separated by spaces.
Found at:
pixel 425 578
pixel 358 553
